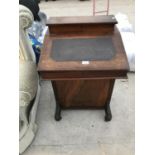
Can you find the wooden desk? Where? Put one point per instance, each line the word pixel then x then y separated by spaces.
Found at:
pixel 83 84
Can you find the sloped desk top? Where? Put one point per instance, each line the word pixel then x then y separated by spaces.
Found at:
pixel 114 67
pixel 83 49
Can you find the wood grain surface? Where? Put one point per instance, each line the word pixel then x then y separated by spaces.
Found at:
pixel 77 84
pixel 82 93
pixel 82 20
pixel 115 68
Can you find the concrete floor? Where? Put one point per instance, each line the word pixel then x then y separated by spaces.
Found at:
pixel 84 132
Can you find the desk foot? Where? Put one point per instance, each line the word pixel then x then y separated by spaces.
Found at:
pixel 58 113
pixel 108 115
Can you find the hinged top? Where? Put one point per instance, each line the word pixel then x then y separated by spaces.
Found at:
pixel 82 20
pixel 110 66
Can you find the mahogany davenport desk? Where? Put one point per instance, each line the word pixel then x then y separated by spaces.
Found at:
pixel 82 56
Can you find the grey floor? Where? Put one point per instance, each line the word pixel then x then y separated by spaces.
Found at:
pixel 84 132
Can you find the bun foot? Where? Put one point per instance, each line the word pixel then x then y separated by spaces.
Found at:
pixel 108 117
pixel 58 117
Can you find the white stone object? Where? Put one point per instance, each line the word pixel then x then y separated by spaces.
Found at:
pixel 29 89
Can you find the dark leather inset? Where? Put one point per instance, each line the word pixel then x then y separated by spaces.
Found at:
pixel 83 49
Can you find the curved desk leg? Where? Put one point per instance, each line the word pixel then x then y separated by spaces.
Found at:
pixel 108 114
pixel 58 107
pixel 58 112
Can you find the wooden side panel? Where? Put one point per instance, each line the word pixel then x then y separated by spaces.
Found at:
pixel 82 93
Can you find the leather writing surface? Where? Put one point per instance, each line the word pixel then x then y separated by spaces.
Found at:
pixel 83 49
